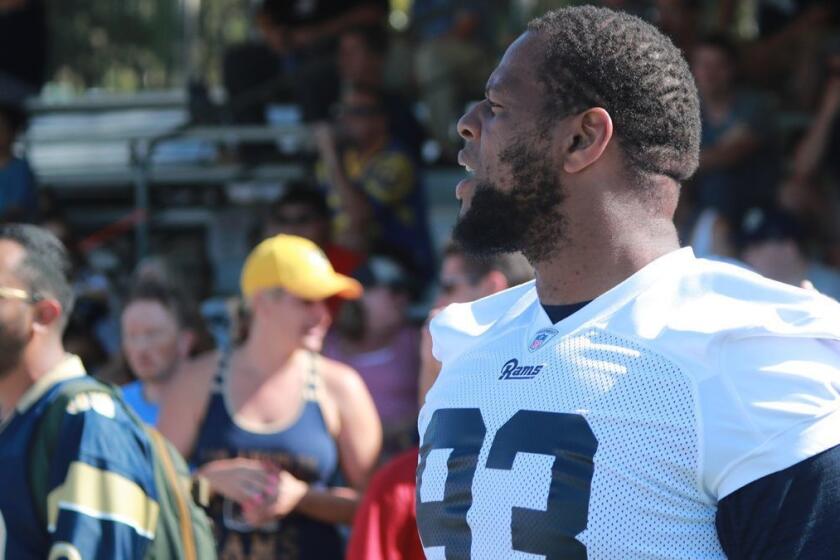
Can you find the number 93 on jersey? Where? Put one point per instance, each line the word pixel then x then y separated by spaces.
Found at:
pixel 553 453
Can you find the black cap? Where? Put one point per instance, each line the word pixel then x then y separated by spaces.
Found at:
pixel 382 271
pixel 759 225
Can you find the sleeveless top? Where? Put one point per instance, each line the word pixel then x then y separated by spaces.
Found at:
pixel 305 448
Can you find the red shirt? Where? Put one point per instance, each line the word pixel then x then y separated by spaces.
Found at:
pixel 344 261
pixel 385 526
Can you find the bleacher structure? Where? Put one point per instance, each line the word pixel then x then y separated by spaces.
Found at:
pixel 137 161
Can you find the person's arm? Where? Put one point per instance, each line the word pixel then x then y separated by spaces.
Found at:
pixel 368 13
pixel 811 151
pixel 788 515
pixel 185 400
pixel 429 365
pixel 359 442
pixel 351 199
pixel 182 412
pixel 102 500
pixel 360 436
pixel 771 434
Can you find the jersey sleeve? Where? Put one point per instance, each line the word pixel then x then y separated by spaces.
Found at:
pixel 789 514
pixel 775 402
pixel 101 502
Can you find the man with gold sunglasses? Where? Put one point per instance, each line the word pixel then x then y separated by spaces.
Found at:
pixel 97 473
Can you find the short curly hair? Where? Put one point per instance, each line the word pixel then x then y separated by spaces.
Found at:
pixel 596 57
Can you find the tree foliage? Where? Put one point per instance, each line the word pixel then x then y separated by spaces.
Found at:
pixel 127 45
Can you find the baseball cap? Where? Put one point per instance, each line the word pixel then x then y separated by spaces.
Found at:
pixel 759 225
pixel 298 266
pixel 382 271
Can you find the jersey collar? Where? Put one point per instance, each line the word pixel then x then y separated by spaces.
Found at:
pixel 674 262
pixel 69 368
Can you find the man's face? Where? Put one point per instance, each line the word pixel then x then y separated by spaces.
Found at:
pixel 512 200
pixel 455 285
pixel 150 340
pixel 773 258
pixel 15 315
pixel 355 61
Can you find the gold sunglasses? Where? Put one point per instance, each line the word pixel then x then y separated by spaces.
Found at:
pixel 18 294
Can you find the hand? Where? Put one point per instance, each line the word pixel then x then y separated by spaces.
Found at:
pixel 289 491
pixel 324 135
pixel 245 481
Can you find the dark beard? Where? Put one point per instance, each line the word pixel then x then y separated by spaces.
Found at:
pixel 526 219
pixel 13 341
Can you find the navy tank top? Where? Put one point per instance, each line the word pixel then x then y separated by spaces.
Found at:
pixel 305 448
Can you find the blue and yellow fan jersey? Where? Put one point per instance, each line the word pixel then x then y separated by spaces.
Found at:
pixel 101 500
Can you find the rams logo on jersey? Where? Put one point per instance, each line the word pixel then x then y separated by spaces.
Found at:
pixel 512 370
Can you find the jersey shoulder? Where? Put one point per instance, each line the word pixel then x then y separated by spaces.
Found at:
pixel 708 304
pixel 97 429
pixel 460 326
pixel 764 358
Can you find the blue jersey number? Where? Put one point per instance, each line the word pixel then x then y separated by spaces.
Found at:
pixel 566 437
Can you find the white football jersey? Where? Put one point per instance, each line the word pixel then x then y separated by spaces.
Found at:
pixel 614 433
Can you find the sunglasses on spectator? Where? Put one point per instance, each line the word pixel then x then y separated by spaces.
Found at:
pixel 358 111
pixel 20 295
pixel 449 285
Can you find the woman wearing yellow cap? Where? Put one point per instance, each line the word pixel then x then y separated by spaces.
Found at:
pixel 272 426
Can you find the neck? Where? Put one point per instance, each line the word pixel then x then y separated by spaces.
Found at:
pixel 37 361
pixel 600 253
pixel 153 390
pixel 266 353
pixel 375 340
pixel 796 272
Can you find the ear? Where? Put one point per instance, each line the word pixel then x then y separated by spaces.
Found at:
pixel 46 313
pixel 493 282
pixel 591 132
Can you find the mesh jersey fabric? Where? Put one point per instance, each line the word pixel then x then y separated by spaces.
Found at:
pixel 615 432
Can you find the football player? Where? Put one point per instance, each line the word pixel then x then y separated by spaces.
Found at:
pixel 635 401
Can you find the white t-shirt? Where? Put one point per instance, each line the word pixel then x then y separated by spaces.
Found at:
pixel 614 433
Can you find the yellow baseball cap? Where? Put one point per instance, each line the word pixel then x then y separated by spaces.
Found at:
pixel 298 266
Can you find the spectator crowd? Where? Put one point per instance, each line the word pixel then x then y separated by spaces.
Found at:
pixel 301 415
